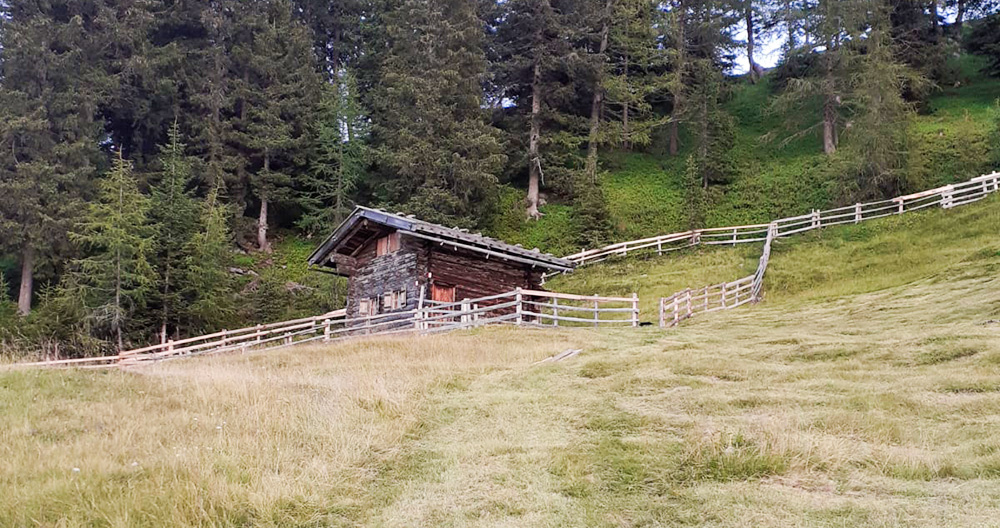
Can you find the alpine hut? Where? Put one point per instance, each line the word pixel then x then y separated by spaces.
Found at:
pixel 393 259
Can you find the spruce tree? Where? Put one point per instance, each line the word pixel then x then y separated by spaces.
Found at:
pixel 881 115
pixel 546 64
pixel 638 63
pixel 277 81
pixel 208 286
pixel 835 37
pixel 338 157
pixel 174 220
pixel 114 280
pixel 439 157
pixel 48 130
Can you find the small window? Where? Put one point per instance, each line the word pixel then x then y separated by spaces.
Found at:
pixel 365 308
pixel 388 244
pixel 388 302
pixel 400 300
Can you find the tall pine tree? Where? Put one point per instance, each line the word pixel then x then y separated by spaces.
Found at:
pixel 174 219
pixel 438 155
pixel 338 157
pixel 114 280
pixel 208 286
pixel 277 83
pixel 48 129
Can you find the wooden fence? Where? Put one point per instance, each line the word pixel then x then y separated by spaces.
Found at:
pixel 947 197
pixel 685 304
pixel 726 296
pixel 519 307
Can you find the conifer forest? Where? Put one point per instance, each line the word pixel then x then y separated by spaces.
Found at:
pixel 166 165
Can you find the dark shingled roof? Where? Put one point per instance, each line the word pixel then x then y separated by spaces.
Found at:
pixel 459 238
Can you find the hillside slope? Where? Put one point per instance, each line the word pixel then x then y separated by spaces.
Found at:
pixel 950 140
pixel 815 266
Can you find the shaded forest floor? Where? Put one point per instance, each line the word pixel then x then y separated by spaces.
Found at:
pixel 863 391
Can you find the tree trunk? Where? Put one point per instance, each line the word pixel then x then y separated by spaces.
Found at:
pixel 960 18
pixel 166 303
pixel 830 101
pixel 27 280
pixel 790 25
pixel 674 139
pixel 534 160
pixel 754 68
pixel 935 18
pixel 262 242
pixel 117 325
pixel 626 131
pixel 678 89
pixel 597 101
pixel 703 147
pixel 830 126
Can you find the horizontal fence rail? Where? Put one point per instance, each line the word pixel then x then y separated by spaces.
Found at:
pixel 519 307
pixel 686 304
pixel 946 197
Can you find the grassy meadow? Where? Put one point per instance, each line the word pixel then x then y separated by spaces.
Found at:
pixel 864 391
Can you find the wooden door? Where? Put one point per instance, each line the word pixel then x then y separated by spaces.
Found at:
pixel 445 294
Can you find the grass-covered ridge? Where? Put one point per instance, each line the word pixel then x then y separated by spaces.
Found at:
pixel 863 395
pixel 950 141
pixel 814 266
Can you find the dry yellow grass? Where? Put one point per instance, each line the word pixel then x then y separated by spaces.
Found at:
pixel 288 438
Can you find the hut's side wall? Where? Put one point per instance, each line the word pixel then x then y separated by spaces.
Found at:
pixel 475 276
pixel 397 271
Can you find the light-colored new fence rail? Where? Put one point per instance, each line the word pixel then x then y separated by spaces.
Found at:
pixel 687 303
pixel 726 296
pixel 518 307
pixel 947 196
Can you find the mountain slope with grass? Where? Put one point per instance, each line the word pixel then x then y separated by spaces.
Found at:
pixel 775 175
pixel 816 266
pixel 862 392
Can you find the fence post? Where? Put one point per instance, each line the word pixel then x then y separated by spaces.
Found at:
pixel 947 197
pixel 225 333
pixel 724 289
pixel 520 309
pixel 326 331
pixel 735 230
pixel 260 328
pixel 464 318
pixel 677 311
pixel 690 310
pixel 659 248
pixel 857 213
pixel 663 318
pixel 635 310
pixel 555 311
pixel 170 346
pixel 901 209
pixel 419 316
pixel 597 313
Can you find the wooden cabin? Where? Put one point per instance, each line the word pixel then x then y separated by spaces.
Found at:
pixel 391 259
